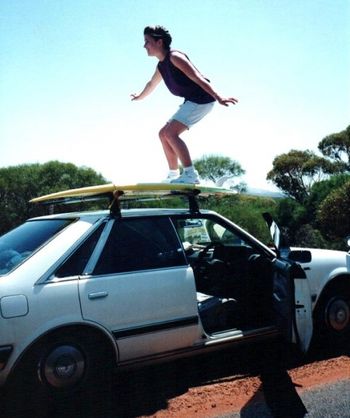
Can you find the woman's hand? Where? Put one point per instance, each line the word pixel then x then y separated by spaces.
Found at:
pixel 226 101
pixel 134 96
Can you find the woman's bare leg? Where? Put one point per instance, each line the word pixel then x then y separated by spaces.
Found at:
pixel 174 147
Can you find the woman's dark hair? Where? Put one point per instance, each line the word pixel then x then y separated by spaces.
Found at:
pixel 159 32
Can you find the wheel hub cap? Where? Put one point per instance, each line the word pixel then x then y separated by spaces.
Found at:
pixel 63 368
pixel 338 314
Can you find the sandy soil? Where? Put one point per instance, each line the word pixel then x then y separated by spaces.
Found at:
pixel 231 393
pixel 222 397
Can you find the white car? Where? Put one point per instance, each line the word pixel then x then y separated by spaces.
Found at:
pixel 328 273
pixel 83 293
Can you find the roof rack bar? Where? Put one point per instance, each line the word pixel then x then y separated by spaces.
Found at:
pixel 192 199
pixel 114 207
pixel 193 203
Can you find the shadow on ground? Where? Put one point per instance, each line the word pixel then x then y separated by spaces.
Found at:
pixel 279 393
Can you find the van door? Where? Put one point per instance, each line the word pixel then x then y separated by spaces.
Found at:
pixel 292 303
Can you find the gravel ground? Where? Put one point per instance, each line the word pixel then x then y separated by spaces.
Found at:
pixel 329 400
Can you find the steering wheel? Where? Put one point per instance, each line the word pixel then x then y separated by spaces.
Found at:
pixel 205 250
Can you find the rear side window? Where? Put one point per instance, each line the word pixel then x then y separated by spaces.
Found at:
pixel 18 244
pixel 75 264
pixel 139 244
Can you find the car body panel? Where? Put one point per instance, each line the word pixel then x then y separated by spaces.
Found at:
pixel 325 265
pixel 50 306
pixel 133 306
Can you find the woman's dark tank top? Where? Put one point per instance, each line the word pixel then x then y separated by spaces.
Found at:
pixel 180 85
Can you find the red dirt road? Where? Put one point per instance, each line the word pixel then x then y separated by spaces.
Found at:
pixel 229 393
pixel 224 397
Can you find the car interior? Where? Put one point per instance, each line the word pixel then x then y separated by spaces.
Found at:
pixel 233 278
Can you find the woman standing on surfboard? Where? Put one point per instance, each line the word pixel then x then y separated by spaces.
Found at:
pixel 182 79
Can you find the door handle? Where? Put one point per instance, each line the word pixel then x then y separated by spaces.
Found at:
pixel 97 295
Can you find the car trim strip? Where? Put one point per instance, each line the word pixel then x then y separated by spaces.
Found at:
pixel 5 353
pixel 204 347
pixel 161 326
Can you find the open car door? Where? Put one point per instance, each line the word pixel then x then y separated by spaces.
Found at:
pixel 303 329
pixel 297 324
pixel 292 303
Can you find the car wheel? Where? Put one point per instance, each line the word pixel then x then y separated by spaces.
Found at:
pixel 63 364
pixel 333 314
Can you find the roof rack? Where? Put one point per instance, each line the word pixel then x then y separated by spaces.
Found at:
pixel 118 197
pixel 114 206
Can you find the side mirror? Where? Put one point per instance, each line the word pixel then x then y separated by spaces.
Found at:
pixel 301 256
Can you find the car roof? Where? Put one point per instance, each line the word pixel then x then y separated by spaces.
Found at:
pixel 124 213
pixel 95 216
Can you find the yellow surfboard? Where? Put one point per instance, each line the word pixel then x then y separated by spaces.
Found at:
pixel 139 189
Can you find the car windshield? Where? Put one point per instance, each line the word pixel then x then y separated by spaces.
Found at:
pixel 18 244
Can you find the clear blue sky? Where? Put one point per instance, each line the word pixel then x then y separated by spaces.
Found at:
pixel 68 67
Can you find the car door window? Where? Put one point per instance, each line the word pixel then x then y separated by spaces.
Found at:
pixel 138 244
pixel 76 263
pixel 203 232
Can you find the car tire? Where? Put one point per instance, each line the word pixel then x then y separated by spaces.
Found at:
pixel 333 314
pixel 61 365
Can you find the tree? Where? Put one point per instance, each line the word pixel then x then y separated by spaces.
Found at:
pixel 216 167
pixel 19 184
pixel 308 236
pixel 321 190
pixel 244 210
pixel 333 215
pixel 337 147
pixel 296 172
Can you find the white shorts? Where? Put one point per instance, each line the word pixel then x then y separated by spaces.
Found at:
pixel 190 113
